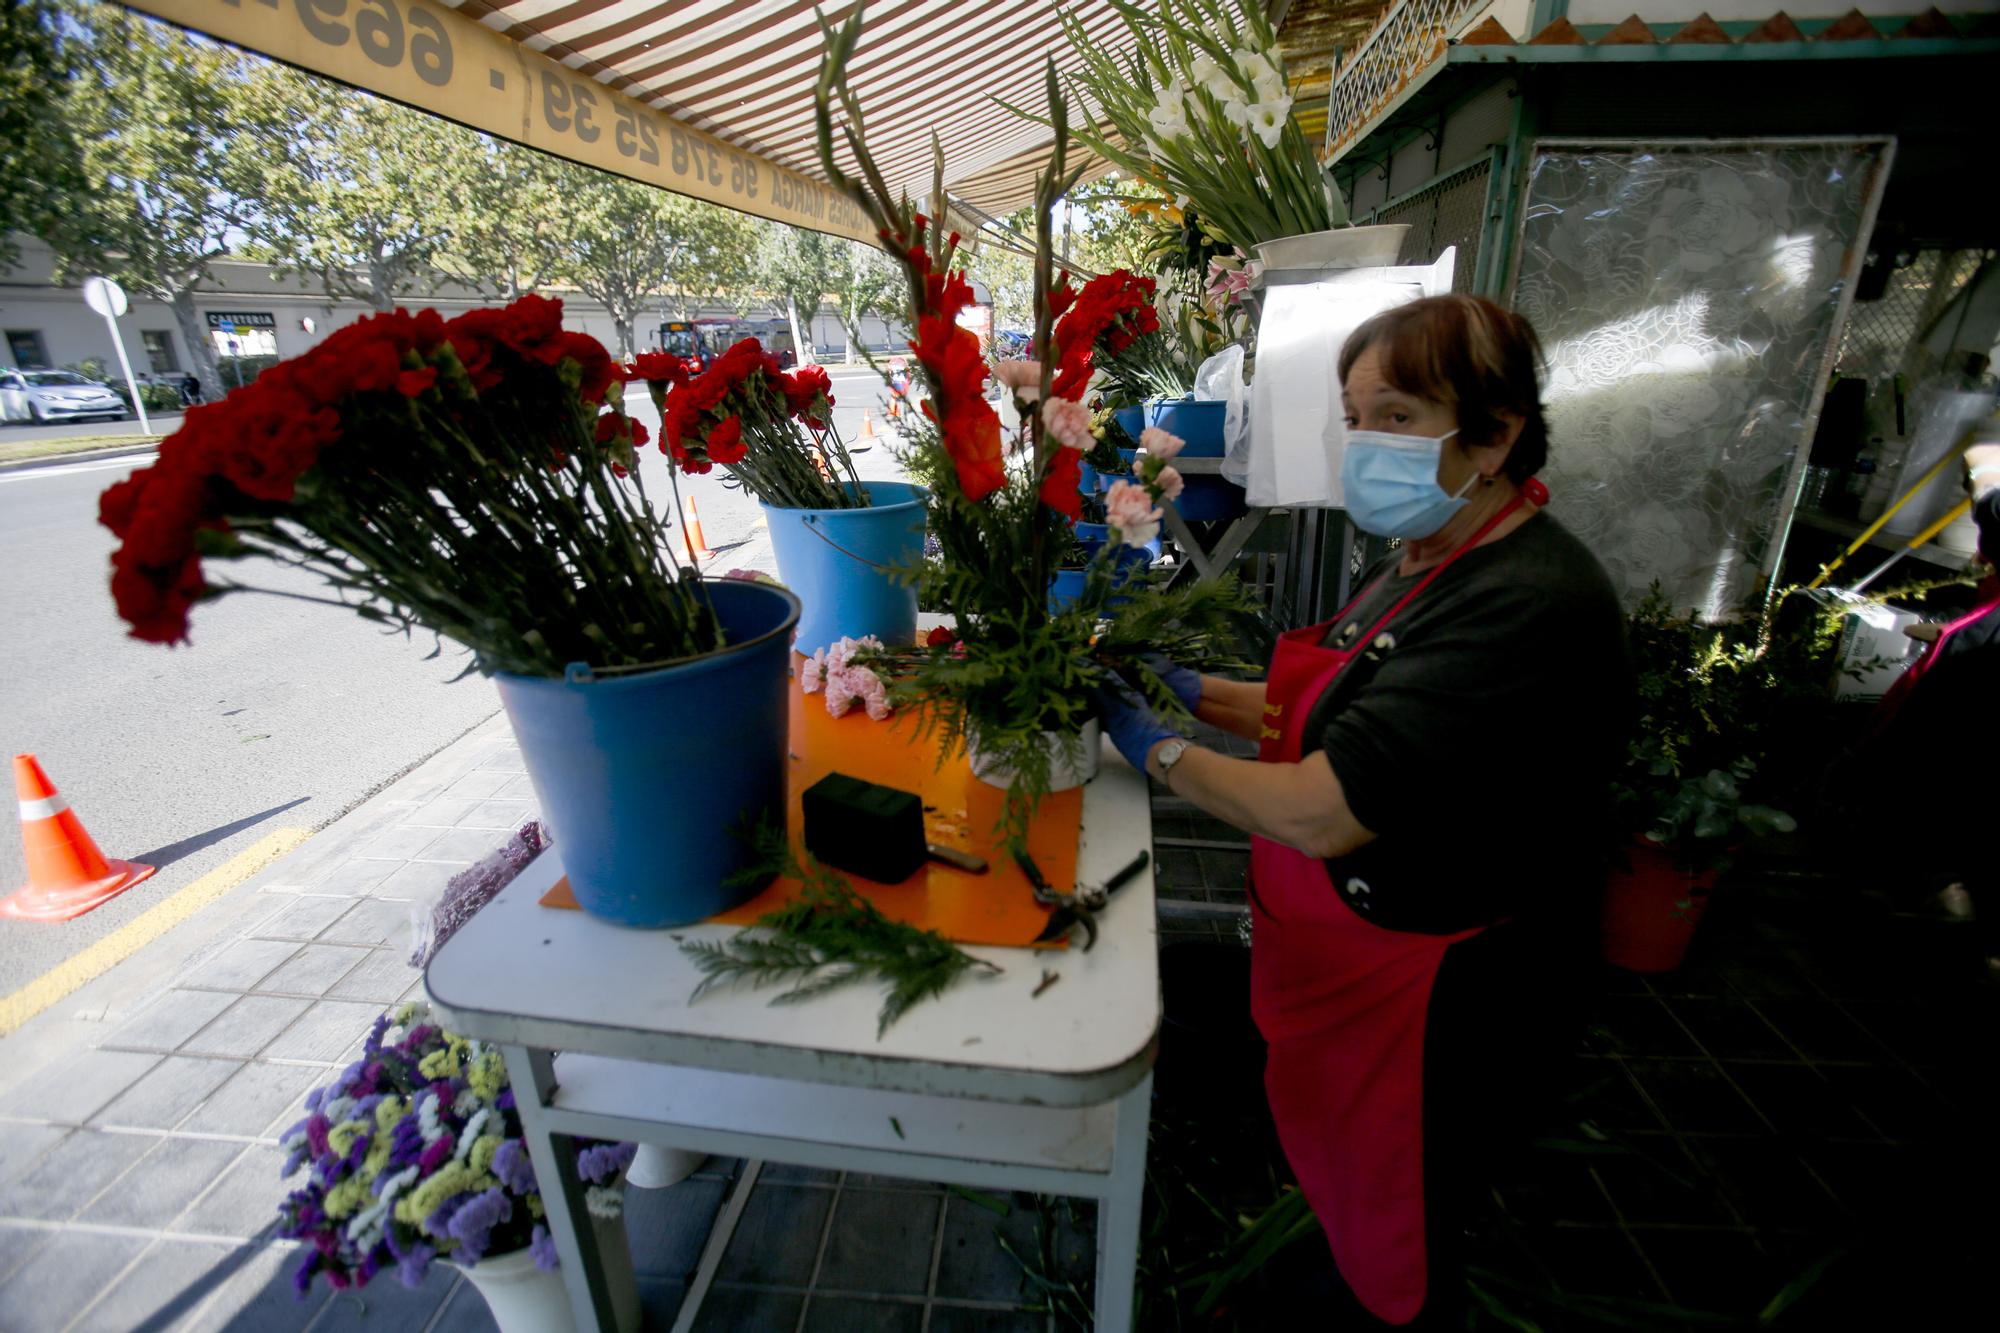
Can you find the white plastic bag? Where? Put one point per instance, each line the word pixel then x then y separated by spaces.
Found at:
pixel 1297 428
pixel 1220 378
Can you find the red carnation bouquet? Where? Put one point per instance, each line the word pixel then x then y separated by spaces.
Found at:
pixel 474 477
pixel 772 431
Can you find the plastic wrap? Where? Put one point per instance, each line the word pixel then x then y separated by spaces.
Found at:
pixel 1221 378
pixel 437 917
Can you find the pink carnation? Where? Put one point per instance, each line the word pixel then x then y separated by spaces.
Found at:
pixel 812 673
pixel 1130 509
pixel 1019 375
pixel 1160 443
pixel 850 685
pixel 1169 483
pixel 1069 422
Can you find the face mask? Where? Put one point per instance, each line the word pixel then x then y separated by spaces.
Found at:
pixel 1391 484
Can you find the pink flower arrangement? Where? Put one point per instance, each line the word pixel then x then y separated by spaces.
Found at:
pixel 1130 510
pixel 1230 276
pixel 1069 422
pixel 834 672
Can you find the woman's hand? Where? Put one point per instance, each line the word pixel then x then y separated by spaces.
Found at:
pixel 1133 727
pixel 1184 682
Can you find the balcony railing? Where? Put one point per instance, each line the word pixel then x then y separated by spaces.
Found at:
pixel 1409 37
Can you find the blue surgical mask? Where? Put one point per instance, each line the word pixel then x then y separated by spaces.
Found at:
pixel 1391 484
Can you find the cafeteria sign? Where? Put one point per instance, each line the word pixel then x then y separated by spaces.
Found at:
pixel 240 324
pixel 431 58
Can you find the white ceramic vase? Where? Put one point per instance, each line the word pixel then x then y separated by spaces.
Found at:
pixel 1071 767
pixel 525 1299
pixel 655 1168
pixel 1342 247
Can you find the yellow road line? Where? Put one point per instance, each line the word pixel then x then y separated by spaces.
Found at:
pixel 81 968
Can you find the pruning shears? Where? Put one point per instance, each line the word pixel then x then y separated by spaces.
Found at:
pixel 1081 907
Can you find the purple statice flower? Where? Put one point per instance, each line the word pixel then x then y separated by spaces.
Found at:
pixel 413 1261
pixel 472 1226
pixel 600 1162
pixel 313 1099
pixel 436 1154
pixel 316 1127
pixel 512 1165
pixel 543 1246
pixel 406 1141
pixel 439 1222
pixel 302 1276
pixel 358 1152
pixel 505 1101
pixel 295 1161
pixel 373 1046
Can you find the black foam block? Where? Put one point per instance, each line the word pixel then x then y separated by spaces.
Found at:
pixel 864 828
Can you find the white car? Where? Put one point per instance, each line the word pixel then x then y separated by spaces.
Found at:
pixel 47 396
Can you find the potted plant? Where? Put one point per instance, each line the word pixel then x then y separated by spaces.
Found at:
pixel 1202 111
pixel 477 479
pixel 1014 683
pixel 414 1154
pixel 838 541
pixel 1684 797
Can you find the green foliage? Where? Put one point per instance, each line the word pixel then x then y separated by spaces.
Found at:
pixel 356 190
pixel 40 170
pixel 799 266
pixel 865 283
pixel 168 160
pixel 829 937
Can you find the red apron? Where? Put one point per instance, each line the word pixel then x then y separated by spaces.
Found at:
pixel 1892 699
pixel 1342 1003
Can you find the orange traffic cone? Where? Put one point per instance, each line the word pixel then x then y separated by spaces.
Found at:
pixel 67 875
pixel 867 424
pixel 697 544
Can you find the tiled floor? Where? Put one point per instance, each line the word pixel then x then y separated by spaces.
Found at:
pixel 1809 1095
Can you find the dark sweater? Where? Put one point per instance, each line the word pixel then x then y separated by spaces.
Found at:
pixel 1480 744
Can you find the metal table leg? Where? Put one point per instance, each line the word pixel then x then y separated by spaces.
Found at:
pixel 1118 1211
pixel 532 1074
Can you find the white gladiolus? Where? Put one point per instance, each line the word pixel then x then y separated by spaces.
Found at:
pixel 1237 114
pixel 1268 77
pixel 1266 120
pixel 1169 116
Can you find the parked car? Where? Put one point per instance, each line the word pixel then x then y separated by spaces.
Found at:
pixel 56 395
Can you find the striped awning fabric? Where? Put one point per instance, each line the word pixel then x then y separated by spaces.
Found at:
pixel 743 70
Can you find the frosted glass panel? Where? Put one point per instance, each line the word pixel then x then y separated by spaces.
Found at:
pixel 1687 296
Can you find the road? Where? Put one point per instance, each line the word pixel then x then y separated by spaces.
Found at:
pixel 279 713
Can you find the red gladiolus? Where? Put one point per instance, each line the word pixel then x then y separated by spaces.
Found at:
pixel 1059 483
pixel 967 422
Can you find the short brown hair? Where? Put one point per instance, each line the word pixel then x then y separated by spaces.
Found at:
pixel 1470 354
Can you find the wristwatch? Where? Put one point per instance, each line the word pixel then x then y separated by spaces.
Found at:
pixel 1170 754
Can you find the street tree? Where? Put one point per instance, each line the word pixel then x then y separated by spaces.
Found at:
pixel 716 261
pixel 40 169
pixel 618 241
pixel 866 283
pixel 357 191
pixel 798 267
pixel 167 152
pixel 1008 276
pixel 507 222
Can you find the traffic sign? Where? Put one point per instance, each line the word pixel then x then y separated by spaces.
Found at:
pixel 104 296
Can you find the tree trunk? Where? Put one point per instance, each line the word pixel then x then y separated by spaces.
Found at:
pixel 801 348
pixel 201 348
pixel 853 322
pixel 622 321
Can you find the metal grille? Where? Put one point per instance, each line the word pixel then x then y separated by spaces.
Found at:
pixel 1451 211
pixel 1408 38
pixel 1879 334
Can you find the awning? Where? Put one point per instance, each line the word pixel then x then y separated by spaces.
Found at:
pixel 709 98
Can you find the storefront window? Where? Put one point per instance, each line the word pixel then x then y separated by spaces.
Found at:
pixel 27 349
pixel 160 351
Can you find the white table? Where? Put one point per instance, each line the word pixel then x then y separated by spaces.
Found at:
pixel 985 1086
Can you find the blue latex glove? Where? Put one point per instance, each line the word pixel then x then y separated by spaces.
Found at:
pixel 1185 683
pixel 1132 726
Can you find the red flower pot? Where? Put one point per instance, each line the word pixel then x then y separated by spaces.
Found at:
pixel 1651 908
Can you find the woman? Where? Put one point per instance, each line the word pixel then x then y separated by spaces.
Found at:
pixel 1425 809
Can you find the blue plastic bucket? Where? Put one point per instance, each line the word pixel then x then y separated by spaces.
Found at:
pixel 841 563
pixel 1131 420
pixel 1199 423
pixel 644 779
pixel 1129 563
pixel 1086 479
